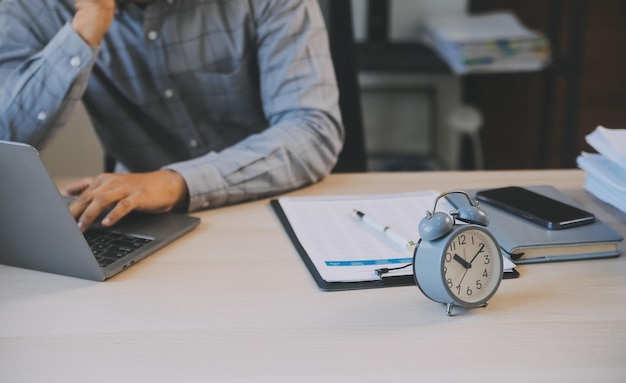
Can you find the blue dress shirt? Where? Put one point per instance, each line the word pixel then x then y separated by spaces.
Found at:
pixel 238 96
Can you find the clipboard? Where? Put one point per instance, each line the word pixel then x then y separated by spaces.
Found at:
pixel 388 281
pixel 397 201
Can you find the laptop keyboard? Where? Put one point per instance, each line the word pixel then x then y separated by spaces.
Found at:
pixel 109 247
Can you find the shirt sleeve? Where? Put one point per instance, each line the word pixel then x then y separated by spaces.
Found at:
pixel 300 101
pixel 40 83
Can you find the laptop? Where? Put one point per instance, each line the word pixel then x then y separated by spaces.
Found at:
pixel 38 232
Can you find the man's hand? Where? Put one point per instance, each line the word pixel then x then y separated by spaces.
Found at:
pixel 93 19
pixel 154 192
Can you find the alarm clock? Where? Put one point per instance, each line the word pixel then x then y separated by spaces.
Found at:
pixel 457 261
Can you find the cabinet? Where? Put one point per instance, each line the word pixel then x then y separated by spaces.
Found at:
pixel 539 120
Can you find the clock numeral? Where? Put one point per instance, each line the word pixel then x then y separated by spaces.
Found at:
pixel 485 273
pixel 487 259
pixel 448 257
pixel 449 281
pixel 479 285
pixel 469 291
pixel 462 239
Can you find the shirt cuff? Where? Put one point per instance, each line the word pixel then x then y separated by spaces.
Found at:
pixel 69 54
pixel 205 184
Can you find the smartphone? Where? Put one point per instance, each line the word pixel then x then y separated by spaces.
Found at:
pixel 537 208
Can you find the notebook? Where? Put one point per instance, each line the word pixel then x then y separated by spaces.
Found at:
pixel 525 242
pixel 38 232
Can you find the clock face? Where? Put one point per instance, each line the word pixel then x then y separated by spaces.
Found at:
pixel 472 265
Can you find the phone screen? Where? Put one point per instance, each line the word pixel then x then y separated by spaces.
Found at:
pixel 537 208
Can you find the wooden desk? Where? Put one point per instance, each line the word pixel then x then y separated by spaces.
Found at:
pixel 233 302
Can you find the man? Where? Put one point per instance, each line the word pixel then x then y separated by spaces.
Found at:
pixel 201 103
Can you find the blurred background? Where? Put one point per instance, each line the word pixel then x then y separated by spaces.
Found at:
pixel 409 111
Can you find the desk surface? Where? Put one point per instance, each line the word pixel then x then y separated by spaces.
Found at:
pixel 233 302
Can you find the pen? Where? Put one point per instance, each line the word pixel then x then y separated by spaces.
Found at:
pixel 397 238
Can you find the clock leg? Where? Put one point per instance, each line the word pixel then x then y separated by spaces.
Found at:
pixel 449 309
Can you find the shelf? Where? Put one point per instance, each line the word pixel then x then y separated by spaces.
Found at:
pixel 399 57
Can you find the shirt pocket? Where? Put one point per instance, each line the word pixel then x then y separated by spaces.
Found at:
pixel 227 97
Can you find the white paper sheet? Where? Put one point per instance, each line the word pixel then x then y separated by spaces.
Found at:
pixel 342 248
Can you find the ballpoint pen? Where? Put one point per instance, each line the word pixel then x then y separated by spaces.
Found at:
pixel 397 238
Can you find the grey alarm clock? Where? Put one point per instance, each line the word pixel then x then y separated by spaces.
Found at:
pixel 457 263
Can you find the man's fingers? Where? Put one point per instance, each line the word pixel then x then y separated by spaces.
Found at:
pixel 92 203
pixel 88 192
pixel 79 187
pixel 92 209
pixel 79 205
pixel 152 192
pixel 121 209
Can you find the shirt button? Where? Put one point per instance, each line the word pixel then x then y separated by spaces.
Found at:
pixel 153 35
pixel 41 116
pixel 169 93
pixel 193 143
pixel 75 61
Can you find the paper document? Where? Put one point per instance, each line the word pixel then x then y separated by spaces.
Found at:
pixel 606 170
pixel 342 248
pixel 611 143
pixel 493 42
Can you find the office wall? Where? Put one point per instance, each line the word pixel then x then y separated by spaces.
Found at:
pixel 74 151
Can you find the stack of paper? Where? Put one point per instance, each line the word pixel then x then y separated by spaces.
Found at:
pixel 606 171
pixel 495 42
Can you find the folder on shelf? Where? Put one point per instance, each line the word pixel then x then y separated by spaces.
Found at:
pixel 492 42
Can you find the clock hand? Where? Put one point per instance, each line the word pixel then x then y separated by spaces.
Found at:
pixel 462 261
pixel 463 277
pixel 482 247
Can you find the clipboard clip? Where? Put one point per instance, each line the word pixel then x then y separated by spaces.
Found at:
pixel 384 270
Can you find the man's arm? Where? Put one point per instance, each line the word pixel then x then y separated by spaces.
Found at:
pixel 93 19
pixel 300 147
pixel 155 192
pixel 300 100
pixel 44 67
